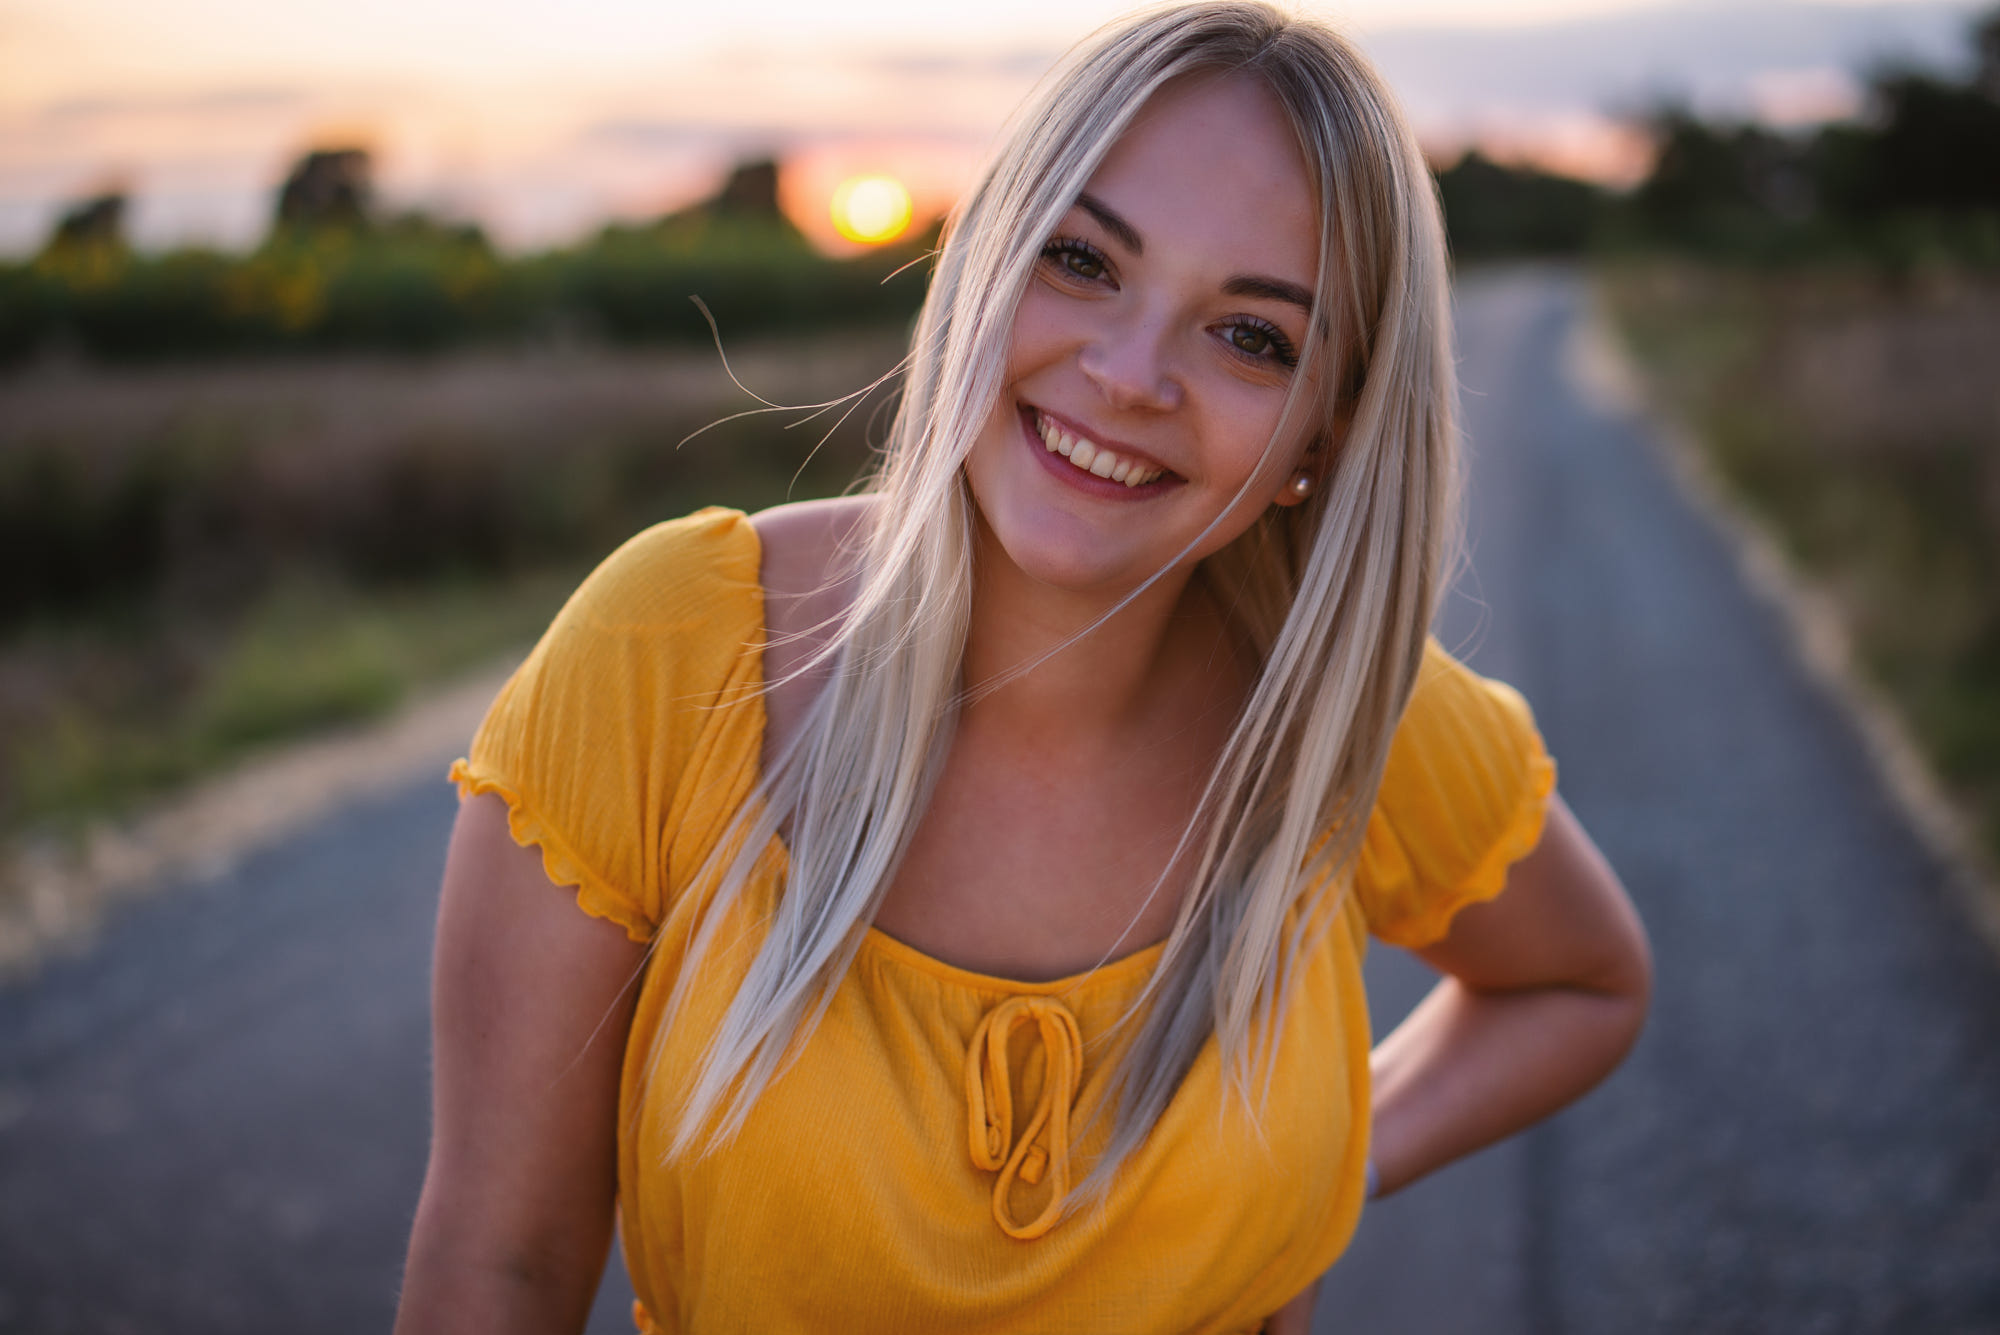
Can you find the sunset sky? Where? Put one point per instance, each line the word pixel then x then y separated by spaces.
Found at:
pixel 542 120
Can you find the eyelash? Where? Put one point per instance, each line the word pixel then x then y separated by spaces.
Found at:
pixel 1066 248
pixel 1063 251
pixel 1282 350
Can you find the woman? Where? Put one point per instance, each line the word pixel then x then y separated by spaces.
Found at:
pixel 975 872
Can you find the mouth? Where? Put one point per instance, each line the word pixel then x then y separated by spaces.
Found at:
pixel 1089 457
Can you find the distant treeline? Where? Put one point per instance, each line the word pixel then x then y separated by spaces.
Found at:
pixel 334 274
pixel 1915 177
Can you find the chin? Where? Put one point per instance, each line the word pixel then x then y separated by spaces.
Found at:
pixel 1061 551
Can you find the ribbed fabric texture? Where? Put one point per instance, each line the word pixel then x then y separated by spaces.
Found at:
pixel 903 1174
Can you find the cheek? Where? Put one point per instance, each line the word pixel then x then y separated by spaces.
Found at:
pixel 1248 421
pixel 1265 409
pixel 1045 329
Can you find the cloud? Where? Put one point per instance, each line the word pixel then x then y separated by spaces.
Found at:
pixel 220 103
pixel 1708 55
pixel 680 134
pixel 672 134
pixel 1023 63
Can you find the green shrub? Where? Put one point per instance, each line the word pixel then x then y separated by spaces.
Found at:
pixel 423 289
pixel 1847 407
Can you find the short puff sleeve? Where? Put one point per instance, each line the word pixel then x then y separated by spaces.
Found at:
pixel 590 738
pixel 1463 797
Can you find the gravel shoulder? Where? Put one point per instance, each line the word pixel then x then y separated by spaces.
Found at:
pixel 58 895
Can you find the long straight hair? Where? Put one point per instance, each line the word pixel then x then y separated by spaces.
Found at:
pixel 1335 594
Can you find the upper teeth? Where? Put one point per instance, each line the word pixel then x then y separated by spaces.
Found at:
pixel 1094 458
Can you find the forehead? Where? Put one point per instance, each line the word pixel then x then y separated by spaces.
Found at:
pixel 1211 168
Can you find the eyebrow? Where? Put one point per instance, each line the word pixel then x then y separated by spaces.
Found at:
pixel 1242 285
pixel 1108 218
pixel 1274 289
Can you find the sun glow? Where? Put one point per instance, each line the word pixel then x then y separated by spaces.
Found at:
pixel 871 210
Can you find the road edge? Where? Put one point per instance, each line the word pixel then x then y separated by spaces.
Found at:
pixel 1602 371
pixel 55 895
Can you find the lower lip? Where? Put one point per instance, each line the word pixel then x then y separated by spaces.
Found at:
pixel 1085 481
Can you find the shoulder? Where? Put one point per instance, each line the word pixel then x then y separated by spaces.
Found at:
pixel 1463 796
pixel 702 564
pixel 802 544
pixel 590 739
pixel 1454 712
pixel 807 572
pixel 673 615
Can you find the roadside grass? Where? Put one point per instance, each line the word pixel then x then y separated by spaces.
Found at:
pixel 130 709
pixel 365 527
pixel 1860 416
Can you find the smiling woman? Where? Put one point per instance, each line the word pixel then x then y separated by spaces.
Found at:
pixel 974 872
pixel 1154 354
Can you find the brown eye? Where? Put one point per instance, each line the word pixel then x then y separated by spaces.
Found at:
pixel 1250 339
pixel 1077 259
pixel 1261 342
pixel 1083 266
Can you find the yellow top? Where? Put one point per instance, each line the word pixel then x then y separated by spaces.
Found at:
pixel 904 1174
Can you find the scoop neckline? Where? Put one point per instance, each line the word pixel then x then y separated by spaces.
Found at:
pixel 879 942
pixel 875 940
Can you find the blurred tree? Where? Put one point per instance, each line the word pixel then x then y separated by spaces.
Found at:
pixel 96 222
pixel 1492 210
pixel 752 190
pixel 338 271
pixel 1929 144
pixel 417 228
pixel 328 187
pixel 1919 172
pixel 85 252
pixel 1710 177
pixel 743 211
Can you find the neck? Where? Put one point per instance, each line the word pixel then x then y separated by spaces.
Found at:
pixel 1087 687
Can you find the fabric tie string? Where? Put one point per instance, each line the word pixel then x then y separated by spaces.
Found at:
pixel 989 1098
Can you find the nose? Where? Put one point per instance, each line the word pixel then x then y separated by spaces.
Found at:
pixel 1130 361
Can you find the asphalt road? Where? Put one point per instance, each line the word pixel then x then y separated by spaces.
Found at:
pixel 1807 1138
pixel 215 1121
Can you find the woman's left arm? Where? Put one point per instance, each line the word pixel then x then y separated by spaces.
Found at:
pixel 1545 990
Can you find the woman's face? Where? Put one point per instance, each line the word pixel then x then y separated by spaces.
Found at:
pixel 1155 347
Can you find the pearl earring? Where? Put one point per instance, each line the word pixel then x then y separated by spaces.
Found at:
pixel 1302 484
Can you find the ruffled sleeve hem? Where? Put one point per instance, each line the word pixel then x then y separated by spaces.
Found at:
pixel 1522 832
pixel 594 895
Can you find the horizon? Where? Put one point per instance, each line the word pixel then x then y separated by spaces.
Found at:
pixel 542 133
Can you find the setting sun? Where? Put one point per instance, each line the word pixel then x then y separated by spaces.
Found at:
pixel 871 209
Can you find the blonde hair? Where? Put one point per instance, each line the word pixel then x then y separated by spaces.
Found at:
pixel 1336 594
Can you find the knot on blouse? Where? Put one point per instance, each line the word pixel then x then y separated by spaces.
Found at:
pixel 989 1096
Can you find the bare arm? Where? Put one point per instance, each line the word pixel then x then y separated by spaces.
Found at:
pixel 531 1003
pixel 1545 990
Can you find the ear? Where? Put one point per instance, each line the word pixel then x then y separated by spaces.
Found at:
pixel 1299 484
pixel 1312 466
pixel 1306 476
